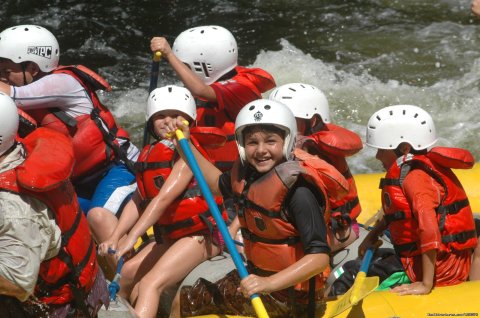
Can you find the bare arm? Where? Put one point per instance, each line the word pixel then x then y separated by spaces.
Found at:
pixel 5 88
pixel 173 187
pixel 127 220
pixel 302 270
pixel 8 288
pixel 210 172
pixel 191 81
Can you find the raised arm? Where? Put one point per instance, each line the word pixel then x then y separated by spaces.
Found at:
pixel 191 81
pixel 210 172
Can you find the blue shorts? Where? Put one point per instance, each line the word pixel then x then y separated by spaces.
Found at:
pixel 112 192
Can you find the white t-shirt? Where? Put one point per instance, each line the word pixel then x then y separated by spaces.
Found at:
pixel 61 91
pixel 28 232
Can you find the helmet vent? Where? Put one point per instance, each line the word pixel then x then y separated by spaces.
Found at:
pixel 267 107
pixel 292 89
pixel 170 89
pixel 378 117
pixel 202 68
pixel 415 116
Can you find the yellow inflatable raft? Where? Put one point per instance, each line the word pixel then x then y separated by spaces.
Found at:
pixel 453 301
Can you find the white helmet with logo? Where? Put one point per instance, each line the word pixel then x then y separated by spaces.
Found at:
pixel 31 43
pixel 210 51
pixel 266 112
pixel 8 122
pixel 171 97
pixel 304 100
pixel 390 126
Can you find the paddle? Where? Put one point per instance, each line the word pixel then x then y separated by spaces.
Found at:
pixel 153 84
pixel 362 287
pixel 237 260
pixel 114 286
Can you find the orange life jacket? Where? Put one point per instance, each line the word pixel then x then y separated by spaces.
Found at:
pixel 271 242
pixel 454 215
pixel 189 213
pixel 232 94
pixel 94 146
pixel 45 175
pixel 334 144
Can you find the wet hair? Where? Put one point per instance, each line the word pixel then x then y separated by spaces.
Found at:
pixel 264 129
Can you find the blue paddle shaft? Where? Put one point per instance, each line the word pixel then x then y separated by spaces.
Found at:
pixel 114 286
pixel 222 227
pixel 366 260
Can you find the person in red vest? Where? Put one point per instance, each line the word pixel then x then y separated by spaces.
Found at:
pixel 281 197
pixel 48 264
pixel 64 98
pixel 426 208
pixel 330 142
pixel 205 60
pixel 168 197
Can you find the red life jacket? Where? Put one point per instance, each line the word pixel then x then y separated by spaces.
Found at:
pixel 186 215
pixel 454 215
pixel 94 146
pixel 45 175
pixel 334 144
pixel 271 242
pixel 232 94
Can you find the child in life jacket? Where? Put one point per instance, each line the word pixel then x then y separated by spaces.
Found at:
pixel 64 98
pixel 205 60
pixel 281 198
pixel 48 264
pixel 426 209
pixel 169 197
pixel 332 143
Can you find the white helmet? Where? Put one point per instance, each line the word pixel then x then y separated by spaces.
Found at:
pixel 392 125
pixel 31 43
pixel 304 100
pixel 8 122
pixel 171 97
pixel 266 112
pixel 210 51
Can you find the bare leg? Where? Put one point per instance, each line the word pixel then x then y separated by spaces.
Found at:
pixel 173 266
pixel 102 223
pixel 475 269
pixel 137 267
pixel 175 309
